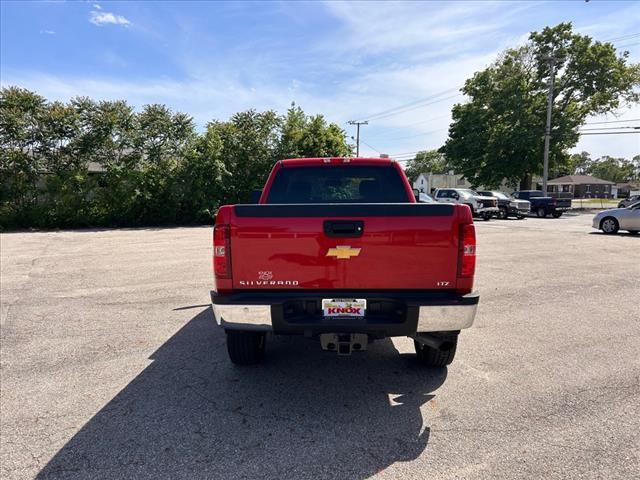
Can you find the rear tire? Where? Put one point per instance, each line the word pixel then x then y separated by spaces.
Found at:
pixel 503 214
pixel 609 225
pixel 541 212
pixel 486 217
pixel 246 348
pixel 557 214
pixel 431 357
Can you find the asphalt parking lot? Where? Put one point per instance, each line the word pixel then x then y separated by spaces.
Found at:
pixel 112 367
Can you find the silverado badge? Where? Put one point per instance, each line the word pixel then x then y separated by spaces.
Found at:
pixel 343 252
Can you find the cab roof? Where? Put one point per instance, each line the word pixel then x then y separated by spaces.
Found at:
pixel 291 162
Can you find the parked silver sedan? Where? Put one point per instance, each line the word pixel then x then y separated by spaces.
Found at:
pixel 610 221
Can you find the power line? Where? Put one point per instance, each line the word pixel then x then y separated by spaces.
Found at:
pixel 415 103
pixel 412 103
pixel 409 106
pixel 607 128
pixel 624 37
pixel 408 109
pixel 404 127
pixel 628 45
pixel 421 134
pixel 395 155
pixel 405 153
pixel 614 121
pixel 610 133
pixel 372 148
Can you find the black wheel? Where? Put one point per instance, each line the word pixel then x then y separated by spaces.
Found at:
pixel 503 214
pixel 246 348
pixel 486 217
pixel 541 212
pixel 556 214
pixel 609 225
pixel 431 357
pixel 520 217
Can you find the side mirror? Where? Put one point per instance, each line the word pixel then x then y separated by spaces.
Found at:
pixel 255 196
pixel 416 194
pixel 456 196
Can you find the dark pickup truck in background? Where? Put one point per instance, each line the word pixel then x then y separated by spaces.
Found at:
pixel 543 206
pixel 508 206
pixel 338 249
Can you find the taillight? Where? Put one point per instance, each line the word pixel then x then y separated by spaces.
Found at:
pixel 222 251
pixel 467 251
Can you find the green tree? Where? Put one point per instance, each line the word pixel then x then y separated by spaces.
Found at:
pixel 21 112
pixel 107 141
pixel 64 170
pixel 100 163
pixel 292 132
pixel 577 164
pixel 499 133
pixel 252 142
pixel 426 161
pixel 249 142
pixel 310 136
pixel 199 178
pixel 160 139
pixel 613 169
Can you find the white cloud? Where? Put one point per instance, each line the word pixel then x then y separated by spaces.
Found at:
pixel 376 27
pixel 47 32
pixel 97 7
pixel 100 18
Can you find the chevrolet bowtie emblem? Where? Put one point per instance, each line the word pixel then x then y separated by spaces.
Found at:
pixel 343 252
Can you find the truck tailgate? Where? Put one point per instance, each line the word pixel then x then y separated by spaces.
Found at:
pixel 345 246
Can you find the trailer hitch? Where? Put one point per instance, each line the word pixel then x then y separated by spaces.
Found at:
pixel 344 343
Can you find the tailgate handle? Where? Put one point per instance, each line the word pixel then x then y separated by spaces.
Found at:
pixel 343 228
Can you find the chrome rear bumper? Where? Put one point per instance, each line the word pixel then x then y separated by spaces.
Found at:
pixel 243 317
pixel 443 318
pixel 449 315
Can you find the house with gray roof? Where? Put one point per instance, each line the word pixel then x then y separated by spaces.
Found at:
pixel 581 186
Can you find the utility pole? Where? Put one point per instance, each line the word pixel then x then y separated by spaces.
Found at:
pixel 547 130
pixel 357 124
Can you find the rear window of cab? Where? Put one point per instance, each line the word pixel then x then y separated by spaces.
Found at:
pixel 338 184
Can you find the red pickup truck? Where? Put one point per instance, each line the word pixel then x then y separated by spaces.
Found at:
pixel 338 249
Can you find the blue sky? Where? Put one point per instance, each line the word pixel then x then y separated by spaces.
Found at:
pixel 344 60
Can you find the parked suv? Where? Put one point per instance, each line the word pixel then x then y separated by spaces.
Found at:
pixel 509 206
pixel 481 206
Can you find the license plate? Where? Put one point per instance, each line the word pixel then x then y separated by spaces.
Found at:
pixel 344 307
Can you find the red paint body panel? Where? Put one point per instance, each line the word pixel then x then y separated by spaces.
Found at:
pixel 396 253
